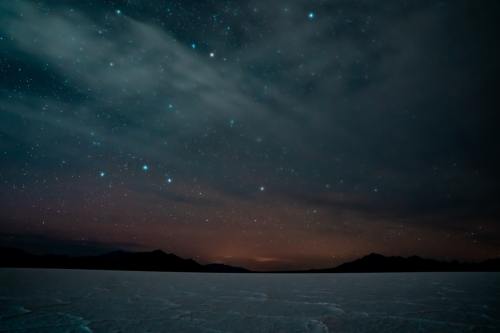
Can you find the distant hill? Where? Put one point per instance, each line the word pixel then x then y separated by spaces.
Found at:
pixel 374 263
pixel 118 260
pixel 167 262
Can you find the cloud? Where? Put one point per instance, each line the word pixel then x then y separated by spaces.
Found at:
pixel 340 90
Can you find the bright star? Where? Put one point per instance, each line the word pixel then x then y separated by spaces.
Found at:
pixel 102 174
pixel 262 188
pixel 212 54
pixel 193 46
pixel 311 15
pixel 169 180
pixel 118 12
pixel 145 167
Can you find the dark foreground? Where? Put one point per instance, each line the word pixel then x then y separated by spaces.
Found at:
pixel 38 300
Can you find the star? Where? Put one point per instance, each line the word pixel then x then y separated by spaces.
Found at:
pixel 212 54
pixel 193 45
pixel 262 188
pixel 311 15
pixel 118 12
pixel 145 167
pixel 169 180
pixel 102 174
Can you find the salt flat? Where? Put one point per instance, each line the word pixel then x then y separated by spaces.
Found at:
pixel 111 301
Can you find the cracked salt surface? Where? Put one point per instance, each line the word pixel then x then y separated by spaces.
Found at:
pixel 110 301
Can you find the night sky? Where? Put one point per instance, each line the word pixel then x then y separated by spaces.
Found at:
pixel 267 134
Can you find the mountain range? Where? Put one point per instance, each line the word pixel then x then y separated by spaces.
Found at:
pixel 157 260
pixel 167 262
pixel 377 263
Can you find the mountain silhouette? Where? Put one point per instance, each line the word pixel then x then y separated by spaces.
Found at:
pixel 160 261
pixel 377 263
pixel 156 260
